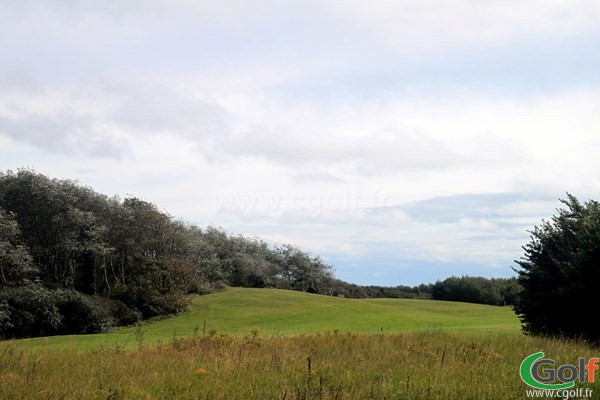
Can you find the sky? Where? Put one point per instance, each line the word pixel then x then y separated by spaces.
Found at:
pixel 404 141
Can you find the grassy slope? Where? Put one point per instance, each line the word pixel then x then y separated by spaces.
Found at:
pixel 280 312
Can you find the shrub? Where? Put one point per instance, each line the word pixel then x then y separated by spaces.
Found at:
pixel 560 273
pixel 28 311
pixel 79 315
pixel 150 303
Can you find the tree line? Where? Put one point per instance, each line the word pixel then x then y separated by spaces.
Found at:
pixel 476 289
pixel 76 261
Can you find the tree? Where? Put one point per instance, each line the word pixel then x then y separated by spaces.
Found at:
pixel 27 311
pixel 560 273
pixel 300 271
pixel 15 262
pixel 59 222
pixel 476 289
pixel 85 245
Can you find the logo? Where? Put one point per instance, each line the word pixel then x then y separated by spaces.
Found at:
pixel 541 373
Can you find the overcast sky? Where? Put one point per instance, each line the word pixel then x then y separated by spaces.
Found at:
pixel 403 140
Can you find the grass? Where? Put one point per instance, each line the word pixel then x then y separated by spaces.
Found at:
pixel 270 344
pixel 422 364
pixel 280 312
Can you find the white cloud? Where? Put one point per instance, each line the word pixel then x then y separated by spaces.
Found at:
pixel 307 121
pixel 417 26
pixel 476 224
pixel 63 133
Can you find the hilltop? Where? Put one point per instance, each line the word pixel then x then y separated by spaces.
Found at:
pixel 274 312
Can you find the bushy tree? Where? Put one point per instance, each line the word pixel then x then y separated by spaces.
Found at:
pixel 28 310
pixel 62 225
pixel 560 273
pixel 477 289
pixel 299 271
pixel 16 267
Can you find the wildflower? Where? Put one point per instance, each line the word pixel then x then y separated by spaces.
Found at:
pixel 201 371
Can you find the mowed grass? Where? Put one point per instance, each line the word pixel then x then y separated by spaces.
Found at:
pixel 237 311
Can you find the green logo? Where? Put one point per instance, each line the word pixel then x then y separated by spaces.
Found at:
pixel 531 374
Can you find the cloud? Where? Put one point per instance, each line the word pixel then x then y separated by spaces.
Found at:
pixel 420 132
pixel 19 79
pixel 453 208
pixel 105 119
pixel 424 26
pixel 148 108
pixel 63 133
pixel 477 229
pixel 476 224
pixel 370 141
pixel 378 152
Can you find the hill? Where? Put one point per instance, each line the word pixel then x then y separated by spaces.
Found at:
pixel 74 261
pixel 237 311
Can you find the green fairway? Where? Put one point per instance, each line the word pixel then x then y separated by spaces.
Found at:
pixel 274 312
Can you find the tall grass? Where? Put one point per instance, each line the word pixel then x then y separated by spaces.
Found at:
pixel 431 364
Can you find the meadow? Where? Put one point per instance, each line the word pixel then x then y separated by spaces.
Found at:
pixel 237 311
pixel 270 344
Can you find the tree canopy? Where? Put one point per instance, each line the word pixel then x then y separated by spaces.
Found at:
pixel 476 289
pixel 76 261
pixel 560 273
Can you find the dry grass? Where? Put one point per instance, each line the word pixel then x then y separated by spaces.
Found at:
pixel 411 365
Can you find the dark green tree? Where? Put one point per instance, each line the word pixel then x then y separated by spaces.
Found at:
pixel 477 289
pixel 560 273
pixel 16 267
pixel 60 222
